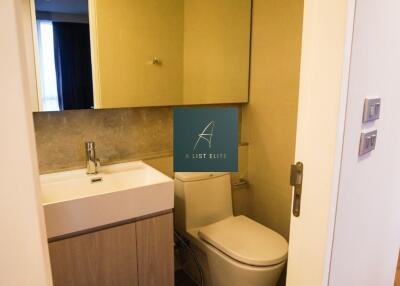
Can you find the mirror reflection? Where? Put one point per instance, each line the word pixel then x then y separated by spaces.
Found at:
pixel 63 42
pixel 142 52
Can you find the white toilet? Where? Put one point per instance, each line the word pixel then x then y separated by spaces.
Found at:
pixel 238 250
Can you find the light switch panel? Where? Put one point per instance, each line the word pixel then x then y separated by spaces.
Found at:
pixel 367 142
pixel 372 109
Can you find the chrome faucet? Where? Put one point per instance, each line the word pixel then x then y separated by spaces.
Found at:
pixel 92 163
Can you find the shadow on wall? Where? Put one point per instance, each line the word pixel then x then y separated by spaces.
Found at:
pixel 270 118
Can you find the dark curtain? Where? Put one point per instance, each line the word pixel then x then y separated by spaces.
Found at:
pixel 73 65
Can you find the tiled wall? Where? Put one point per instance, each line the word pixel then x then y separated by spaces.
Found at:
pixel 120 135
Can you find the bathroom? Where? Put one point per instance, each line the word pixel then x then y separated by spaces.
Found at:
pixel 135 120
pixel 112 87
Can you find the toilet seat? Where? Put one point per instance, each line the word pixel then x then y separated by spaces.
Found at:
pixel 246 241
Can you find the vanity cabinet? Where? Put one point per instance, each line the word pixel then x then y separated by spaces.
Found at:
pixel 138 253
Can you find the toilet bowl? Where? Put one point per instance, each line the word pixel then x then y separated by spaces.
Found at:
pixel 238 250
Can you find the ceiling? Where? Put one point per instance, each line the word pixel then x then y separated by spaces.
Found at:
pixel 62 6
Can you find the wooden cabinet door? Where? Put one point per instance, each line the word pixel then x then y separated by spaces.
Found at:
pixel 155 251
pixel 102 258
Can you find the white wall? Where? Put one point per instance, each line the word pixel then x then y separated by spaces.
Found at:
pixel 367 229
pixel 23 246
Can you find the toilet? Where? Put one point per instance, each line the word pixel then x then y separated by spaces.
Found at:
pixel 238 251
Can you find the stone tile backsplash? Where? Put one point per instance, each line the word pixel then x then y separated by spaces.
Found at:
pixel 120 135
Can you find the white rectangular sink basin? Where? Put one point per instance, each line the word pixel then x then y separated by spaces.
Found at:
pixel 74 201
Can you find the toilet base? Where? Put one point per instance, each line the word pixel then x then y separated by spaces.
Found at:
pixel 190 268
pixel 221 270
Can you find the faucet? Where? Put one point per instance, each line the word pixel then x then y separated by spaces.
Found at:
pixel 92 163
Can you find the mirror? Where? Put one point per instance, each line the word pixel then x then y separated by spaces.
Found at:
pixel 63 54
pixel 142 52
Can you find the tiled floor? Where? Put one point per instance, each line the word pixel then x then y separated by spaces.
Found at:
pixel 181 279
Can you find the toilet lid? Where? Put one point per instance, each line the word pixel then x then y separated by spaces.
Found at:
pixel 246 241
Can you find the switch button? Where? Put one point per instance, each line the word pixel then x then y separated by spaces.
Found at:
pixel 372 109
pixel 367 142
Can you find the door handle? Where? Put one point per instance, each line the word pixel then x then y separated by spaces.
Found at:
pixel 296 180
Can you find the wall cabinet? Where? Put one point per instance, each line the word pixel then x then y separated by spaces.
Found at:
pixel 136 254
pixel 170 52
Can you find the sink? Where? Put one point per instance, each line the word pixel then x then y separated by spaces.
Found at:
pixel 74 201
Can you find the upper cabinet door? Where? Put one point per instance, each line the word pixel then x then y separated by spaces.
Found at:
pixel 216 51
pixel 140 48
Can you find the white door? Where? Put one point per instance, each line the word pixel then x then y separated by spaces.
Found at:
pixel 322 101
pixel 347 232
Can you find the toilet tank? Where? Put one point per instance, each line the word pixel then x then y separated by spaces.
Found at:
pixel 201 199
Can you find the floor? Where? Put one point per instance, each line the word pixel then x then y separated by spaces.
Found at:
pixel 181 279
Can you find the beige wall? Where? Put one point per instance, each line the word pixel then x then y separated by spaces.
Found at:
pixel 130 33
pixel 269 120
pixel 216 51
pixel 24 258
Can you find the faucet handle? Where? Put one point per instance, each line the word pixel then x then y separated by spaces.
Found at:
pixel 90 145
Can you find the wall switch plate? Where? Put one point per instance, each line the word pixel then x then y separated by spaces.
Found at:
pixel 367 142
pixel 372 109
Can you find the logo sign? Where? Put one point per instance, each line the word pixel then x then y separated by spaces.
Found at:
pixel 206 139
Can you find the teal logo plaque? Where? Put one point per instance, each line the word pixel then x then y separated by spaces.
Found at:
pixel 206 139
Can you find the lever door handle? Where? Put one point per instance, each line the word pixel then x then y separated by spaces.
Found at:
pixel 296 180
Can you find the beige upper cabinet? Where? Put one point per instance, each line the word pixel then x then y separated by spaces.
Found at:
pixel 139 45
pixel 216 51
pixel 135 53
pixel 170 52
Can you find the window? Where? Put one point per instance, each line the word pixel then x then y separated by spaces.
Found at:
pixel 48 78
